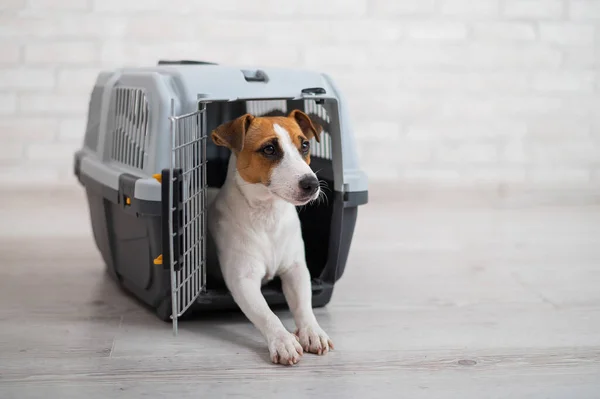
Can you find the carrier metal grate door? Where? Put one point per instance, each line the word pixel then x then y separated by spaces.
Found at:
pixel 187 204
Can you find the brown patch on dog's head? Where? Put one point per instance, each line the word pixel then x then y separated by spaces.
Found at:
pixel 258 146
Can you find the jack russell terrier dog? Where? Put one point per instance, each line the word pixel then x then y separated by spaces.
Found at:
pixel 255 227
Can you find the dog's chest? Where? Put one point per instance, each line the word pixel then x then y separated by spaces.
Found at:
pixel 275 239
pixel 261 241
pixel 276 244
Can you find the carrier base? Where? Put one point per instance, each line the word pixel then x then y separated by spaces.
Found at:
pixel 129 242
pixel 216 301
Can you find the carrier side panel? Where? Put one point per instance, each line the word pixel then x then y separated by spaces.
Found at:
pixel 348 175
pixel 94 113
pixel 137 123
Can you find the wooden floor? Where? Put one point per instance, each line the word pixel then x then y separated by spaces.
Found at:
pixel 444 296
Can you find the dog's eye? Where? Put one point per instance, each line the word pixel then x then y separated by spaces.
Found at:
pixel 305 146
pixel 269 150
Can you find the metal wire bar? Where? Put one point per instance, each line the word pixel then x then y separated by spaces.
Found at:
pixel 194 169
pixel 194 219
pixel 189 277
pixel 191 247
pixel 174 296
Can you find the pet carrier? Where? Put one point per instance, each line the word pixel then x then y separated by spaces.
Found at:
pixel 147 163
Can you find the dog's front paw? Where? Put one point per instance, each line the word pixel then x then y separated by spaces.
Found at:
pixel 284 348
pixel 314 340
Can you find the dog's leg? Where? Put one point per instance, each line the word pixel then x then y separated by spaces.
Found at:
pixel 284 347
pixel 297 290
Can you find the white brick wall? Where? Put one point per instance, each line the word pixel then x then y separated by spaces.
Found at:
pixel 68 52
pixel 479 8
pixel 8 104
pixel 441 91
pixel 567 34
pixel 534 9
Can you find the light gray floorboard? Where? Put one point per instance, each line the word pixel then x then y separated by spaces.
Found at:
pixel 456 296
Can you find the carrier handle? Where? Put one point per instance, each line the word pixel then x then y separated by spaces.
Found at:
pixel 185 62
pixel 257 75
pixel 314 91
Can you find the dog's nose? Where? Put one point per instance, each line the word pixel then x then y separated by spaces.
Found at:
pixel 309 184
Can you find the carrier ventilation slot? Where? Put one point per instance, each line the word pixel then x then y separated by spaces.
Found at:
pixel 129 118
pixel 319 114
pixel 266 107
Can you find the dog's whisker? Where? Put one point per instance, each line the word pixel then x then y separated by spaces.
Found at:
pixel 324 198
pixel 324 185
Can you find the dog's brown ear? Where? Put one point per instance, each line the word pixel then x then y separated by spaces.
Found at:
pixel 309 128
pixel 233 133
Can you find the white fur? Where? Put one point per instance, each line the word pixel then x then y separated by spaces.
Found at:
pixel 285 176
pixel 257 235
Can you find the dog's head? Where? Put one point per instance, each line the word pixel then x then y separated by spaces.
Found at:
pixel 274 152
